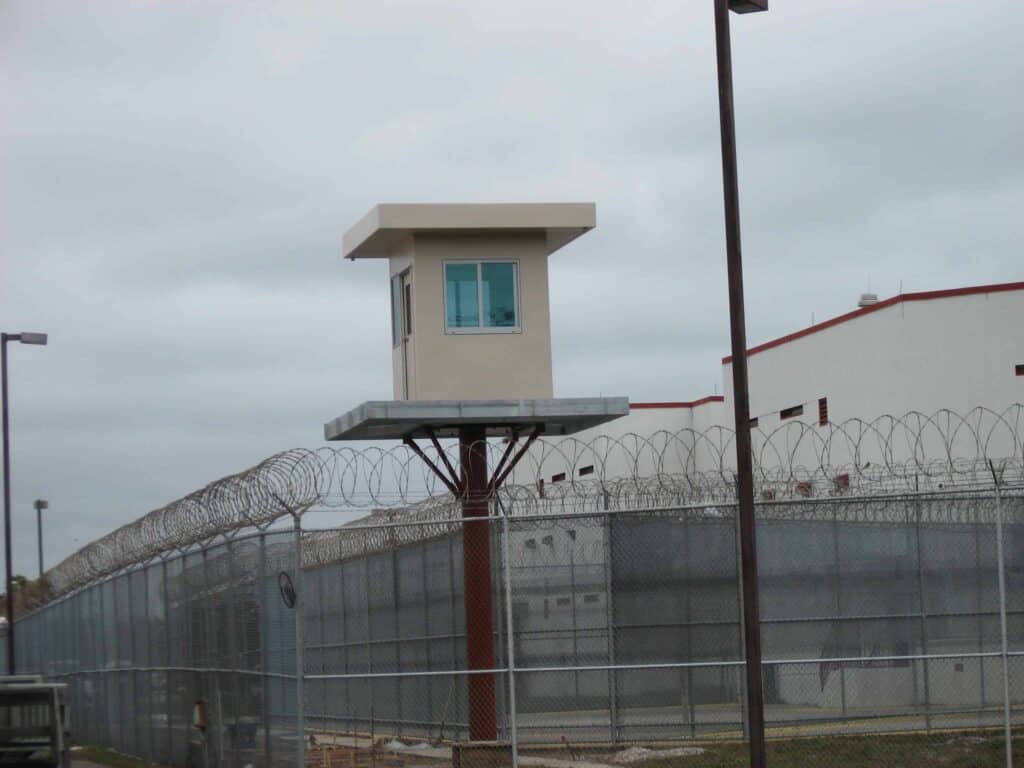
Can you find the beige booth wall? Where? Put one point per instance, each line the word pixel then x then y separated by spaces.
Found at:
pixel 475 366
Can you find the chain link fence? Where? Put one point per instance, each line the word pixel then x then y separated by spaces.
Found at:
pixel 599 614
pixel 623 627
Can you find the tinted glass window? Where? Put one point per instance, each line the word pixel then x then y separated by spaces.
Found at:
pixel 461 296
pixel 499 294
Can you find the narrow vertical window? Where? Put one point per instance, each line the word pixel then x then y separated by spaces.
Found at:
pixel 407 309
pixel 498 287
pixel 822 411
pixel 461 292
pixel 396 310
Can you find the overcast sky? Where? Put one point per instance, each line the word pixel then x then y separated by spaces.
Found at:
pixel 175 179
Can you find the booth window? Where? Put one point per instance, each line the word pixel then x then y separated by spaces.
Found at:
pixel 396 310
pixel 481 296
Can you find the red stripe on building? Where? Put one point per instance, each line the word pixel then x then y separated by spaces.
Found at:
pixel 920 296
pixel 690 404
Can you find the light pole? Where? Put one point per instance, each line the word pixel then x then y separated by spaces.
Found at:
pixel 40 505
pixel 741 393
pixel 38 339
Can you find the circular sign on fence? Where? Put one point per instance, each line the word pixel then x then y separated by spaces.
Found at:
pixel 284 583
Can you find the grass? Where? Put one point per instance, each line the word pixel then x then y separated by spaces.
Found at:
pixel 979 749
pixel 899 751
pixel 108 757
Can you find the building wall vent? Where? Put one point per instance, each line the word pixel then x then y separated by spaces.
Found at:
pixel 867 299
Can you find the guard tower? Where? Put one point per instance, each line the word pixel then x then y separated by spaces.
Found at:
pixel 471 357
pixel 469 294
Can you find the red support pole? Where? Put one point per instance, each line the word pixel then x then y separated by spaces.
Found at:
pixel 476 577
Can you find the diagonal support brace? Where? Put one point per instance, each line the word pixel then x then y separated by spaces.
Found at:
pixel 455 476
pixel 499 477
pixel 455 488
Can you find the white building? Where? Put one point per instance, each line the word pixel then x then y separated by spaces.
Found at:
pixel 955 349
pixel 915 353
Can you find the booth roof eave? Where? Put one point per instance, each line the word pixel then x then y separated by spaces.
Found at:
pixel 398 419
pixel 387 224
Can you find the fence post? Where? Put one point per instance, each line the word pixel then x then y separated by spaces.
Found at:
pixel 395 597
pixel 609 600
pixel 575 631
pixel 370 680
pixel 343 657
pixel 425 580
pixel 168 674
pixel 980 599
pixel 104 676
pixel 839 607
pixel 744 709
pixel 689 710
pixel 233 590
pixel 300 598
pixel 1000 565
pixel 510 637
pixel 147 675
pixel 453 630
pixel 922 613
pixel 130 675
pixel 322 652
pixel 264 648
pixel 211 677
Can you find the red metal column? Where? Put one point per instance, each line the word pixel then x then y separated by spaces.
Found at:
pixel 476 577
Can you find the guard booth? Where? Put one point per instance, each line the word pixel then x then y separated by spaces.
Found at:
pixel 470 313
pixel 471 359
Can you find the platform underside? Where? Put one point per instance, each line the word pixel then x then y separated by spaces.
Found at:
pixel 397 419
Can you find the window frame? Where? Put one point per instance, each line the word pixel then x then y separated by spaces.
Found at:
pixel 481 328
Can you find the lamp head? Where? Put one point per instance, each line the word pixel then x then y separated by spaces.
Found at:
pixel 38 339
pixel 41 504
pixel 748 6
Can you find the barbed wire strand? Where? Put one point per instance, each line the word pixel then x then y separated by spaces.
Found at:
pixel 884 456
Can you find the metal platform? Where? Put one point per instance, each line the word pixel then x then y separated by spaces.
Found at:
pixel 398 419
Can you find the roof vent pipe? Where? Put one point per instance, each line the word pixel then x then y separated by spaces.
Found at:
pixel 867 299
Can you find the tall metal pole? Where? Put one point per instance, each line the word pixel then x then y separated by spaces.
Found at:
pixel 7 508
pixel 39 535
pixel 741 395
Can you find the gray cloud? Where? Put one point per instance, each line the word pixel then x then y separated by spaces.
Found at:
pixel 175 179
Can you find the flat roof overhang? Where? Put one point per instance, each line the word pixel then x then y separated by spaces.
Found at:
pixel 386 225
pixel 397 419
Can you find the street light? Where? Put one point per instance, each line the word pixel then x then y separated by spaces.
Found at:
pixel 740 386
pixel 40 505
pixel 37 339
